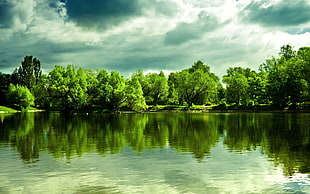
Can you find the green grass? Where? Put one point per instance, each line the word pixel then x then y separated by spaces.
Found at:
pixel 175 107
pixel 30 108
pixel 7 109
pixel 197 107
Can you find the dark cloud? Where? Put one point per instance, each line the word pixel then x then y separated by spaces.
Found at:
pixel 100 14
pixel 185 32
pixel 284 13
pixel 298 31
pixel 6 17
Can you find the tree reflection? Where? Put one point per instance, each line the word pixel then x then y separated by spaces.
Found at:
pixel 243 131
pixel 288 142
pixel 196 133
pixel 284 138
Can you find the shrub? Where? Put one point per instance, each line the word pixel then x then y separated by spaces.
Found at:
pixel 20 96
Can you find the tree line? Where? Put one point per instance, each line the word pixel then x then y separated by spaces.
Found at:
pixel 282 81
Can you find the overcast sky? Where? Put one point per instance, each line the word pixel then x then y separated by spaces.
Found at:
pixel 152 35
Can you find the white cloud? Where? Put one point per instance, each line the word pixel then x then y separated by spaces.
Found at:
pixel 18 15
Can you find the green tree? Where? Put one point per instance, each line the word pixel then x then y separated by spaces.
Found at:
pixel 199 65
pixel 134 95
pixel 304 54
pixel 20 96
pixel 5 80
pixel 288 82
pixel 257 89
pixel 112 93
pixel 41 93
pixel 154 87
pixel 67 88
pixel 117 96
pixel 295 84
pixel 92 91
pixel 28 74
pixel 237 85
pixel 157 88
pixel 287 52
pixel 172 94
pixel 193 87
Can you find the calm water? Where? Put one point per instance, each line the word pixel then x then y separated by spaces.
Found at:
pixel 154 153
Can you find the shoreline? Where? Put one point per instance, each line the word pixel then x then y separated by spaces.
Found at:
pixel 18 111
pixel 178 111
pixel 226 111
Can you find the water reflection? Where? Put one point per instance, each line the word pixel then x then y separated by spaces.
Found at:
pixel 284 138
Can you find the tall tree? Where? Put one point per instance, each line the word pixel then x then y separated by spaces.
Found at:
pixel 5 80
pixel 28 74
pixel 237 86
pixel 199 65
pixel 288 79
pixel 287 52
pixel 134 95
pixel 194 85
pixel 157 89
pixel 41 92
pixel 67 88
pixel 257 89
pixel 304 54
pixel 111 90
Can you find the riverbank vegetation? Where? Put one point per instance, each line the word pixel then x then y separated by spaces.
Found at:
pixel 7 109
pixel 280 83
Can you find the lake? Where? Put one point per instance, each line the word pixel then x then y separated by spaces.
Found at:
pixel 155 153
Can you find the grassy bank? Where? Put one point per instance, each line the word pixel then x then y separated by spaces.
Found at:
pixel 7 109
pixel 222 108
pixel 175 108
pixel 304 107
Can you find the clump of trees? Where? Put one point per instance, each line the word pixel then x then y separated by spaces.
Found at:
pixel 282 82
pixel 19 95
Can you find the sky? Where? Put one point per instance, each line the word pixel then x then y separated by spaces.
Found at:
pixel 152 35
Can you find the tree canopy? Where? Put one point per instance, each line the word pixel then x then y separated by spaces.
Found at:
pixel 282 81
pixel 19 96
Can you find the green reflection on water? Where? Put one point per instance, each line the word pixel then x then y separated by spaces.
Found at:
pixel 284 138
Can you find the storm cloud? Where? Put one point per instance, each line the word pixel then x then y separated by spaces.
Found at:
pixel 282 13
pixel 15 14
pixel 101 13
pixel 6 17
pixel 185 32
pixel 167 35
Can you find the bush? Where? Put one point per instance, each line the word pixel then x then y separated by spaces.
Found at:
pixel 19 96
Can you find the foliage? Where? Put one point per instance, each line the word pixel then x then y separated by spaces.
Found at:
pixel 20 96
pixel 5 80
pixel 158 88
pixel 28 73
pixel 134 95
pixel 288 77
pixel 7 109
pixel 245 86
pixel 195 85
pixel 67 88
pixel 154 87
pixel 283 82
pixel 237 86
pixel 112 91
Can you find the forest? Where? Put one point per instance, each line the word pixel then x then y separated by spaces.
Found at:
pixel 281 82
